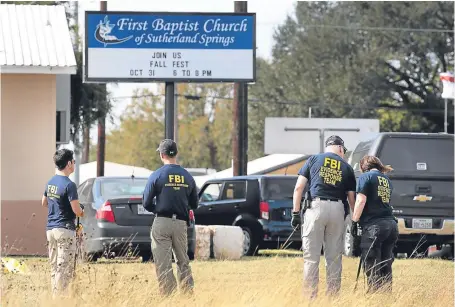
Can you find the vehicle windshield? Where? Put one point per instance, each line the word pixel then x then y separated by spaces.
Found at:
pixel 119 187
pixel 278 188
pixel 425 155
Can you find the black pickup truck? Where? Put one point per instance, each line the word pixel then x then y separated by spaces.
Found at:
pixel 260 204
pixel 423 187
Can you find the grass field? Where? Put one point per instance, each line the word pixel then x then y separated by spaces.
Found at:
pixel 260 281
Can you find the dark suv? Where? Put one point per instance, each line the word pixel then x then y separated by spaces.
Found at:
pixel 423 187
pixel 260 204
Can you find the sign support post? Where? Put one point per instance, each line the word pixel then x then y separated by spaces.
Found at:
pixel 446 122
pixel 169 110
pixel 174 47
pixel 176 113
pixel 101 144
pixel 448 92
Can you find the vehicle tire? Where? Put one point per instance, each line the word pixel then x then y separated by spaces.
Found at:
pixel 250 243
pixel 417 250
pixel 351 244
pixel 146 256
pixel 452 252
pixel 88 257
pixel 93 257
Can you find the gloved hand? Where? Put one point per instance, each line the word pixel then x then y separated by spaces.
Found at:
pixel 296 221
pixel 354 229
pixel 79 230
pixel 82 211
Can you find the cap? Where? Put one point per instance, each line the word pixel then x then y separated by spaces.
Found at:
pixel 168 147
pixel 335 140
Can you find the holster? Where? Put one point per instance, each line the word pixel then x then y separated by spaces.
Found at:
pixel 346 208
pixel 306 203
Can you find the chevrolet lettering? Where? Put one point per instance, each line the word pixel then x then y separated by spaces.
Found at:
pixel 422 198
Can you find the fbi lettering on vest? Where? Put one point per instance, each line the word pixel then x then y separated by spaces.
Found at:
pixel 331 171
pixel 176 181
pixel 384 189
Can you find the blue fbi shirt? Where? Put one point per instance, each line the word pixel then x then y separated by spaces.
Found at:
pixel 329 176
pixel 175 191
pixel 378 189
pixel 60 191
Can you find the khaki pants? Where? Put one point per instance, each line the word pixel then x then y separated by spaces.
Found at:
pixel 170 234
pixel 62 246
pixel 323 226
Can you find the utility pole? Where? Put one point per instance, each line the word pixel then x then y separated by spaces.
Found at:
pixel 77 159
pixel 240 133
pixel 86 150
pixel 101 146
pixel 76 136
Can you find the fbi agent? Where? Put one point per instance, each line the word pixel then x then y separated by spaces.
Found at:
pixel 61 199
pixel 379 227
pixel 176 192
pixel 331 180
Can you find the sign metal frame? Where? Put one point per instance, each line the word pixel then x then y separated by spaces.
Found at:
pixel 86 64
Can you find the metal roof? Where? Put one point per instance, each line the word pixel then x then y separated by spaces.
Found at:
pixel 252 177
pixel 35 36
pixel 257 167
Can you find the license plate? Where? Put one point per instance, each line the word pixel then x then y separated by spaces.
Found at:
pixel 422 223
pixel 141 210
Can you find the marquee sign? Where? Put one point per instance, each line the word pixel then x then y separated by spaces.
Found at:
pixel 169 47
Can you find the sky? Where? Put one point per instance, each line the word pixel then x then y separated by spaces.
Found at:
pixel 269 14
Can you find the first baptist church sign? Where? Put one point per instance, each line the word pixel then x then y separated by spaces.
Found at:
pixel 145 47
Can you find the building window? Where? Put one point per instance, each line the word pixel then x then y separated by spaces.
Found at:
pixel 61 128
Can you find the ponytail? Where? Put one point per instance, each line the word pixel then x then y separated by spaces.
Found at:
pixel 367 163
pixel 385 169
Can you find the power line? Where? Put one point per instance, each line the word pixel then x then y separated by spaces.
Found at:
pixel 362 28
pixel 428 30
pixel 319 106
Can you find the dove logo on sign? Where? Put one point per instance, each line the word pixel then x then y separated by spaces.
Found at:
pixel 102 34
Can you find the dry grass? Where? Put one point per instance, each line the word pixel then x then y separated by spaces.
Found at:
pixel 261 281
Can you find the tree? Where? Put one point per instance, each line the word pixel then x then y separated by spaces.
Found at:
pixel 419 57
pixel 134 142
pixel 88 100
pixel 354 59
pixel 205 116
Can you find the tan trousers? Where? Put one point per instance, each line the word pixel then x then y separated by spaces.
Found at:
pixel 323 226
pixel 62 246
pixel 170 235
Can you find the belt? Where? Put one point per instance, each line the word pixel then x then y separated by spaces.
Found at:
pixel 171 215
pixel 327 199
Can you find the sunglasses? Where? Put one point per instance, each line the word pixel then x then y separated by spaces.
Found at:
pixel 344 149
pixel 342 146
